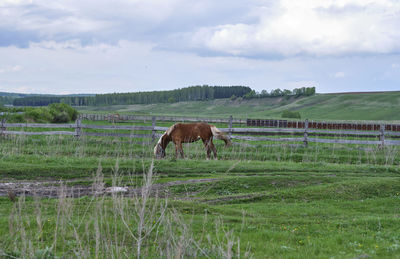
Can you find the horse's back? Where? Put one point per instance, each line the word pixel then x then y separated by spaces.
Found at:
pixel 190 131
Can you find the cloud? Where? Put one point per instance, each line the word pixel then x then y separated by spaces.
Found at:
pixel 19 89
pixel 89 21
pixel 25 21
pixel 339 74
pixel 10 69
pixel 310 27
pixel 258 29
pixel 99 46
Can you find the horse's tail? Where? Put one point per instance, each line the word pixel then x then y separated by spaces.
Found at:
pixel 221 135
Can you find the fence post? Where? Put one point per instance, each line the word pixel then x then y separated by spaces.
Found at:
pixel 153 132
pixel 305 141
pixel 78 128
pixel 382 135
pixel 230 125
pixel 2 127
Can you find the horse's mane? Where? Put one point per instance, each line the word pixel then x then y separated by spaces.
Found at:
pixel 168 132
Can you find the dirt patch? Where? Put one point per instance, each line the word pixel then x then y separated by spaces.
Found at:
pixel 51 189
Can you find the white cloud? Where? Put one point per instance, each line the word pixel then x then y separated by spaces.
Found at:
pixel 50 18
pixel 10 69
pixel 74 44
pixel 19 89
pixel 14 2
pixel 311 27
pixel 94 46
pixel 339 75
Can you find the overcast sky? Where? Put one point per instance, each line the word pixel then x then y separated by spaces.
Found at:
pixel 102 46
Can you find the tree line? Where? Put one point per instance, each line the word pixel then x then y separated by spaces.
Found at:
pixel 193 93
pixel 6 100
pixel 297 92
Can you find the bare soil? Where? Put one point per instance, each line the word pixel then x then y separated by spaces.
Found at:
pixel 51 189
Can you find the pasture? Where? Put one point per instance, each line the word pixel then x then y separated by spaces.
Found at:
pixel 269 200
pixel 346 106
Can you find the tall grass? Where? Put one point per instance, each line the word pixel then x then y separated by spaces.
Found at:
pixel 106 147
pixel 143 224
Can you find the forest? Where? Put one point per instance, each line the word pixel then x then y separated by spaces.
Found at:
pixel 192 93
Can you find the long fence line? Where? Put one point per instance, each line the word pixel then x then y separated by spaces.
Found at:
pixel 123 117
pixel 298 124
pixel 306 134
pixel 361 126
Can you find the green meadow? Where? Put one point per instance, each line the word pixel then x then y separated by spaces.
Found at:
pixel 260 199
pixel 348 106
pixel 265 201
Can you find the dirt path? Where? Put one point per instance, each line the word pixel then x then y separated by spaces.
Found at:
pixel 52 189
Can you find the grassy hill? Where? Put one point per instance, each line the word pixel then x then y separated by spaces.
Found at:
pixel 340 106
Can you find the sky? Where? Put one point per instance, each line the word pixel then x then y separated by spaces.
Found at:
pixel 104 46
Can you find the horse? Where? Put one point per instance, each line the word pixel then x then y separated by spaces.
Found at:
pixel 190 132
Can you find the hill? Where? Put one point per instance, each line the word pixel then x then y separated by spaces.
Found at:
pixel 9 97
pixel 341 106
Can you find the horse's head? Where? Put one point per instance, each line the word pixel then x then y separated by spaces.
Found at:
pixel 159 151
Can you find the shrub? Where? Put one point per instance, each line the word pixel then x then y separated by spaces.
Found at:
pixel 62 112
pixel 61 117
pixel 40 114
pixel 57 112
pixel 290 114
pixel 16 118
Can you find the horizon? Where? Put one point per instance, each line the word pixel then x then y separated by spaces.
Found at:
pixel 66 47
pixel 92 94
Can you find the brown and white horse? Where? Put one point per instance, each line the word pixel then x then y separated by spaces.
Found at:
pixel 186 133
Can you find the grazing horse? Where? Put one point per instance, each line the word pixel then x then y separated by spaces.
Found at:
pixel 186 133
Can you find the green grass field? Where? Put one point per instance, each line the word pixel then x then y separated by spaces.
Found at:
pixel 366 106
pixel 268 200
pixel 274 201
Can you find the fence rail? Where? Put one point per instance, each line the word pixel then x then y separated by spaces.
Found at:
pixel 322 125
pixel 359 126
pixel 121 117
pixel 308 135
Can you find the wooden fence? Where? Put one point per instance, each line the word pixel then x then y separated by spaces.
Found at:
pixel 359 126
pixel 122 117
pixel 322 125
pixel 305 135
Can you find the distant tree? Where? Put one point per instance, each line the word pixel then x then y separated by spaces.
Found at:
pixel 249 95
pixel 286 92
pixel 310 91
pixel 264 93
pixel 276 92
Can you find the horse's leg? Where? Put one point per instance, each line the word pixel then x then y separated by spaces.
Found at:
pixel 207 146
pixel 214 150
pixel 179 149
pixel 176 150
